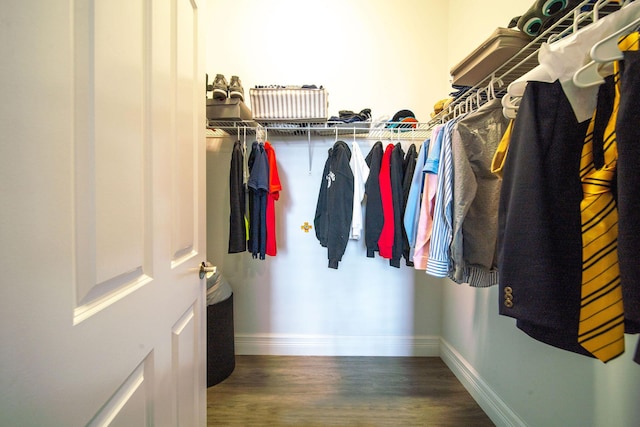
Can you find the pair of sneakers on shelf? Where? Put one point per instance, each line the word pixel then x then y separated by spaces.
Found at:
pixel 223 90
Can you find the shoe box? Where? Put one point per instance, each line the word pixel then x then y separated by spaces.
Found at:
pixel 231 109
pixel 501 45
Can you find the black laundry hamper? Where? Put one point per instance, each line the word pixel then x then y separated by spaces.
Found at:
pixel 221 357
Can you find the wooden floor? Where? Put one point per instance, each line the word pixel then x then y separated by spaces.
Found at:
pixel 342 391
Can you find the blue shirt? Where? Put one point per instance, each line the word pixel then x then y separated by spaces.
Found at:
pixel 441 233
pixel 412 209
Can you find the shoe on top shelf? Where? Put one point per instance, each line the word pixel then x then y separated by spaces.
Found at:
pixel 220 88
pixel 235 88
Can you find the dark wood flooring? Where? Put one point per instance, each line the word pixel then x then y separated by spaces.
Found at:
pixel 342 391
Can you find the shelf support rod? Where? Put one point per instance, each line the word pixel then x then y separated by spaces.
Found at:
pixel 309 145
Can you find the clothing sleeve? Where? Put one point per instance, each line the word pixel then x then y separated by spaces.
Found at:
pixel 432 164
pixel 321 219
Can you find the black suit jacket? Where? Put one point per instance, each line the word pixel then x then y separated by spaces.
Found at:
pixel 539 226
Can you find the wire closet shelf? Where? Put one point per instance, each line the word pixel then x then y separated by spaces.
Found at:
pixel 372 130
pixel 495 84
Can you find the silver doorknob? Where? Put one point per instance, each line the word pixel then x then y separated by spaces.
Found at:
pixel 206 270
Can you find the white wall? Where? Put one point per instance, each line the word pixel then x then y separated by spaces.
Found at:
pixel 472 22
pixel 386 56
pixel 381 55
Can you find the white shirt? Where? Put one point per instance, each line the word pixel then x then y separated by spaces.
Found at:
pixel 360 174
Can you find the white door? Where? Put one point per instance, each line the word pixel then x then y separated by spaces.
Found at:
pixel 102 213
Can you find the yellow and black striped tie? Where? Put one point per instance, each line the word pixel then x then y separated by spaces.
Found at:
pixel 601 328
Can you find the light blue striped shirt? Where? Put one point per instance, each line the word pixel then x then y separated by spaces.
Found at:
pixel 442 229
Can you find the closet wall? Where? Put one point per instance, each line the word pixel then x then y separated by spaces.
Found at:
pixel 385 56
pixel 381 55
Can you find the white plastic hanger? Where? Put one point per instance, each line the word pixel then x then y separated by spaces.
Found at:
pixel 592 74
pixel 456 110
pixel 468 103
pixel 511 99
pixel 491 87
pixel 244 140
pixel 606 50
pixel 510 103
pixel 510 109
pixel 479 96
pixel 603 52
pixel 262 134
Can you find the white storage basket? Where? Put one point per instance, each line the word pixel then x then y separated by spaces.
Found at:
pixel 289 104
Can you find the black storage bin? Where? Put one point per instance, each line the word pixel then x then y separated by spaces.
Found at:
pixel 221 355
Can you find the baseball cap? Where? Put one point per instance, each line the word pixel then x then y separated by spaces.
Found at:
pixel 403 119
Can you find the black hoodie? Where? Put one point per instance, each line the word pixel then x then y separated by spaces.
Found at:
pixel 335 203
pixel 374 218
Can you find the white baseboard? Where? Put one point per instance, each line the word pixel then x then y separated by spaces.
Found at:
pixel 326 345
pixel 481 392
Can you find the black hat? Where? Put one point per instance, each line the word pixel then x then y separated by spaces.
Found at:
pixel 401 117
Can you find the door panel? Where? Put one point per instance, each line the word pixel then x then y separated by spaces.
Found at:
pixel 102 180
pixel 131 403
pixel 187 124
pixel 185 357
pixel 112 151
pixel 118 93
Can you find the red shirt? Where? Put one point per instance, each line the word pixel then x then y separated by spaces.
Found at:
pixel 272 196
pixel 385 241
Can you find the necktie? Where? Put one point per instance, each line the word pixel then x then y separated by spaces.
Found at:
pixel 497 164
pixel 601 327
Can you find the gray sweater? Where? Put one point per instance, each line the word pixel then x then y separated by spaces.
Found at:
pixel 476 195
